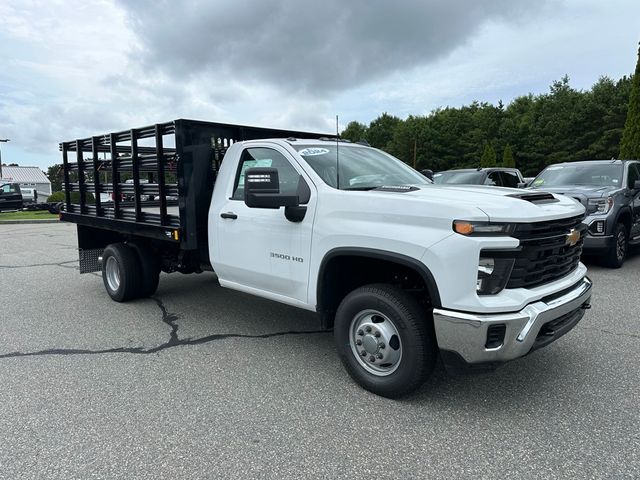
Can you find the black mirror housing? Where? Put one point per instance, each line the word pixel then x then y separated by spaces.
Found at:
pixel 262 189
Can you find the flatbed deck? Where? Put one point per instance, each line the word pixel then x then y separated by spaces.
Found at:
pixel 159 180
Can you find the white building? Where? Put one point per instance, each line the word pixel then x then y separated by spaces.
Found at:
pixel 28 177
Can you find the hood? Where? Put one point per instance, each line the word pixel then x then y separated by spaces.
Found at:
pixel 498 204
pixel 590 191
pixel 581 193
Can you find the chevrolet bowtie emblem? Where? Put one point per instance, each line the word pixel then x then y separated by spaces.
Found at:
pixel 573 237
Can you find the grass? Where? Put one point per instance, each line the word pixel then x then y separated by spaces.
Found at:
pixel 36 215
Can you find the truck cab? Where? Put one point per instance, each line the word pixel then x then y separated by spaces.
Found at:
pixel 10 196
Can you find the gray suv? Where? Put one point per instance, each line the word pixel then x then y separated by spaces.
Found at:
pixel 610 191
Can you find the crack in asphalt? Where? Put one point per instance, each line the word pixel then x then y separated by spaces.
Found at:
pixel 59 264
pixel 169 319
pixel 618 334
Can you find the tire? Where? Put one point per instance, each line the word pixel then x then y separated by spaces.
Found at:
pixel 150 270
pixel 617 252
pixel 406 361
pixel 121 272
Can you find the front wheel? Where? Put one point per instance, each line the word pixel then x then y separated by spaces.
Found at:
pixel 385 340
pixel 617 252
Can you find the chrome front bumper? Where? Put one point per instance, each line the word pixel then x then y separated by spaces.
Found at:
pixel 465 334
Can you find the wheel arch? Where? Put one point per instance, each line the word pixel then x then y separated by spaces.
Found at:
pixel 332 288
pixel 624 216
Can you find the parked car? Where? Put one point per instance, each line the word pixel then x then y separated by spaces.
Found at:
pixel 10 196
pixel 498 177
pixel 610 191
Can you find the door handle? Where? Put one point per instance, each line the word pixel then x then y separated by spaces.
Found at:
pixel 229 215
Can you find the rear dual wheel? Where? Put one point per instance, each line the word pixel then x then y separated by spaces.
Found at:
pixel 129 271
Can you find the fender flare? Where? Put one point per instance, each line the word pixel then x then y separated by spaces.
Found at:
pixel 626 210
pixel 414 264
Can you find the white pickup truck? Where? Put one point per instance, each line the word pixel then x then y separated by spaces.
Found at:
pixel 403 270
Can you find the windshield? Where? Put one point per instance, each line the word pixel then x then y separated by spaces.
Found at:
pixel 459 177
pixel 599 174
pixel 361 168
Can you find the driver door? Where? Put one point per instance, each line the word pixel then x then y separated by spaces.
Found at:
pixel 259 248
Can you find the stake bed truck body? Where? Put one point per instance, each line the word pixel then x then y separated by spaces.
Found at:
pixel 402 270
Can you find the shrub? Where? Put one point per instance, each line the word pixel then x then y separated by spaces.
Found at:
pixel 56 197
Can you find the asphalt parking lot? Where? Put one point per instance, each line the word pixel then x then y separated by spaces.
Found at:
pixel 203 382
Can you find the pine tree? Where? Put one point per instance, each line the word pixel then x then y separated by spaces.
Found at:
pixel 630 144
pixel 488 158
pixel 507 157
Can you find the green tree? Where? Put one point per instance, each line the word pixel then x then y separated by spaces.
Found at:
pixel 507 157
pixel 355 131
pixel 488 158
pixel 54 174
pixel 561 125
pixel 380 131
pixel 630 145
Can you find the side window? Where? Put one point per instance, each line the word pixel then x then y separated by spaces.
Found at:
pixel 493 179
pixel 510 179
pixel 14 188
pixel 5 188
pixel 266 157
pixel 634 174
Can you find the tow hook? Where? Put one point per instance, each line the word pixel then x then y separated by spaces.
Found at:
pixel 585 306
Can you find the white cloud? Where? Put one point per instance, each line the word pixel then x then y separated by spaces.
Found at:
pixel 73 69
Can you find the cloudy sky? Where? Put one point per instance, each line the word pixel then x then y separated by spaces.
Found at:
pixel 72 69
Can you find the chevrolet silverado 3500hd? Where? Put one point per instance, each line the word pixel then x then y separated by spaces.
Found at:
pixel 401 269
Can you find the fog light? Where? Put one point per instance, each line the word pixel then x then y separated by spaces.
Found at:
pixel 597 227
pixel 493 274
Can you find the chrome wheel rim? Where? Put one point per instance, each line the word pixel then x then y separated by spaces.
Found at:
pixel 621 245
pixel 112 272
pixel 375 342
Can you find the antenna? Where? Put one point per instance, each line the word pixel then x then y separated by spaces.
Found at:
pixel 337 154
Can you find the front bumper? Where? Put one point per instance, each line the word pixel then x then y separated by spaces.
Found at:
pixel 594 244
pixel 463 335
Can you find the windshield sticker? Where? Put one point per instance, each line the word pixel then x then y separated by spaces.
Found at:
pixel 313 151
pixel 557 167
pixel 538 181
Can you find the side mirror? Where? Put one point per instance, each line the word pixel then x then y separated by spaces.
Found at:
pixel 262 189
pixel 522 184
pixel 636 185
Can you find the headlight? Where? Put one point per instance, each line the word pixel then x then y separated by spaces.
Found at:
pixel 600 206
pixel 482 228
pixel 493 274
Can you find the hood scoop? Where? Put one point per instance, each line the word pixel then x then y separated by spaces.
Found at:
pixel 537 198
pixel 396 188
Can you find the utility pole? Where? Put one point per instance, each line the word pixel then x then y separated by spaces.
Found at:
pixel 415 151
pixel 3 140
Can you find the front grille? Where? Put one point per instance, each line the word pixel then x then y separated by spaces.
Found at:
pixel 544 254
